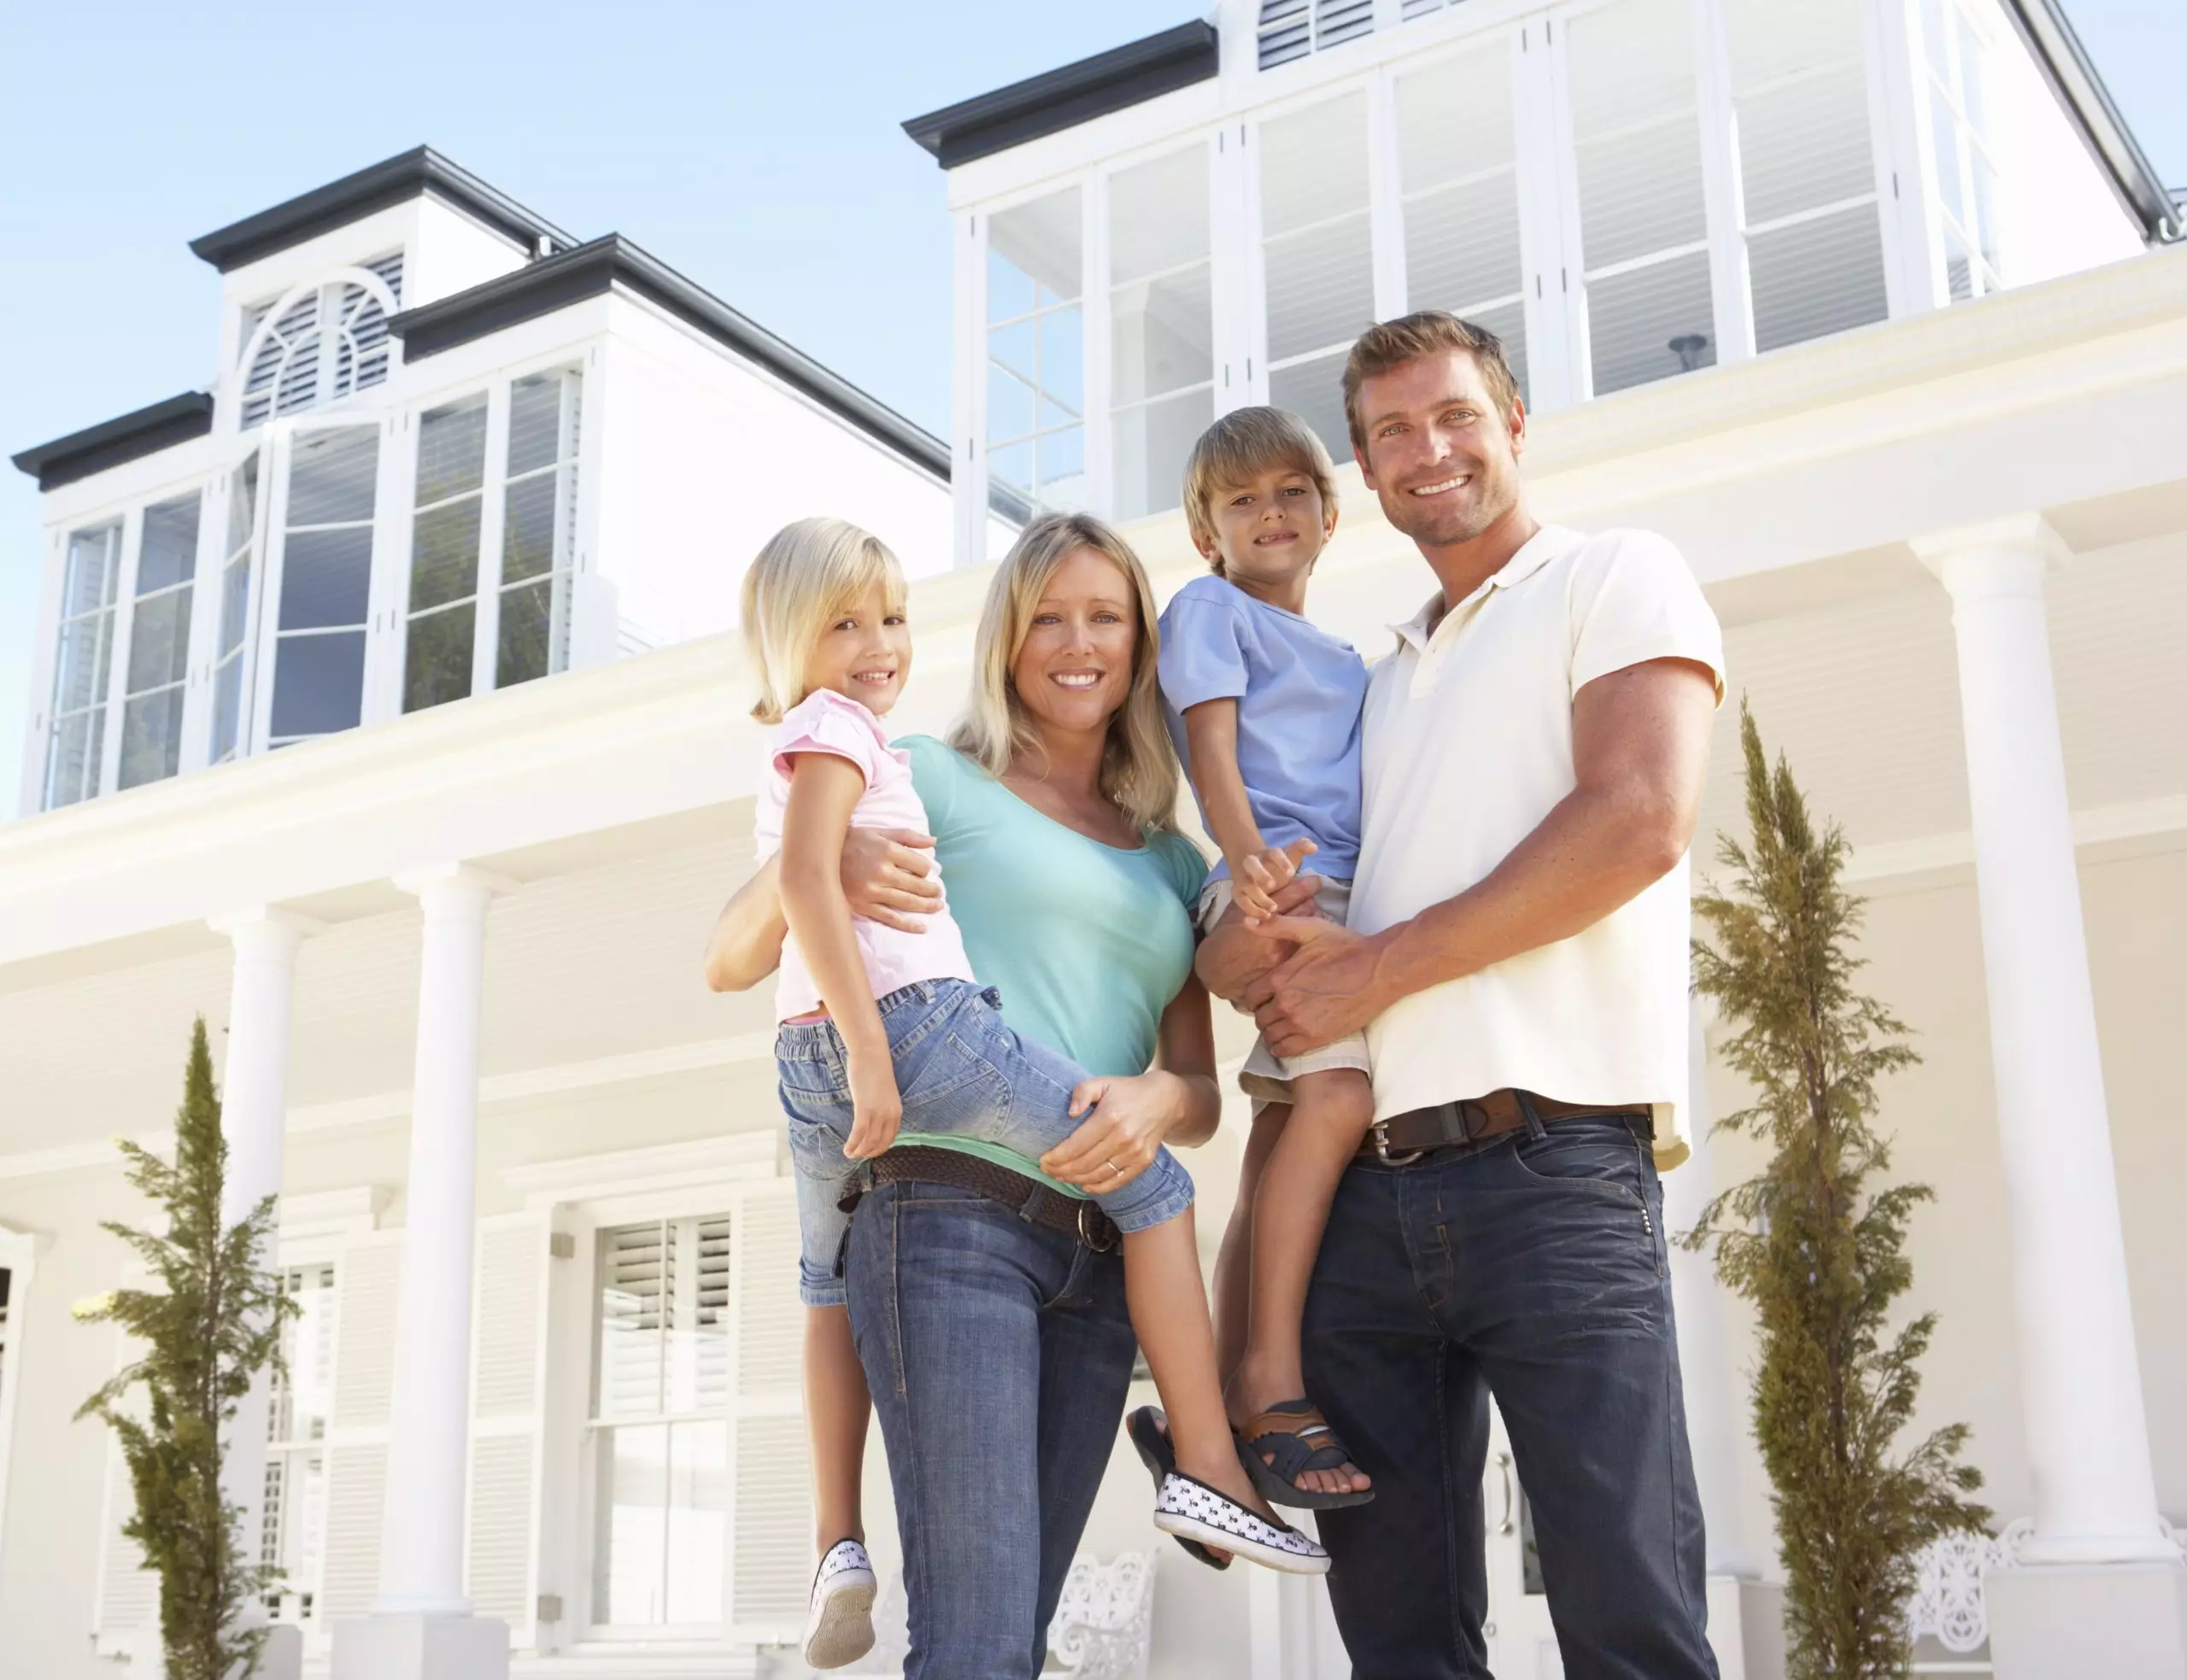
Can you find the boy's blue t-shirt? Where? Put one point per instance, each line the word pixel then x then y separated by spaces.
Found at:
pixel 1299 691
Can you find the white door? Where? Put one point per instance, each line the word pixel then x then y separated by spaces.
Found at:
pixel 1521 1643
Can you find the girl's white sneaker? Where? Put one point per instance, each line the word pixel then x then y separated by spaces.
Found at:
pixel 1187 1506
pixel 839 1627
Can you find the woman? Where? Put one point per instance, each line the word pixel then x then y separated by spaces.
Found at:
pixel 988 1308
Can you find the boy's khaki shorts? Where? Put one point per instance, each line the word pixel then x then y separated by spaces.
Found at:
pixel 1266 1075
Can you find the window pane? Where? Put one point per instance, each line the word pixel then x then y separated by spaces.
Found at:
pixel 90 574
pixel 1816 277
pixel 79 677
pixel 1804 144
pixel 1959 266
pixel 436 665
pixel 451 450
pixel 1159 215
pixel 319 684
pixel 1161 333
pixel 169 551
pixel 235 602
pixel 1313 210
pixel 536 433
pixel 528 636
pixel 151 738
pixel 73 771
pixel 227 707
pixel 698 1520
pixel 1016 349
pixel 1010 470
pixel 629 1586
pixel 1459 180
pixel 325 577
pixel 1944 128
pixel 159 641
pixel 1059 461
pixel 528 528
pixel 1062 376
pixel 1313 390
pixel 1033 249
pixel 443 554
pixel 330 478
pixel 1152 443
pixel 1508 324
pixel 1650 323
pixel 1985 206
pixel 243 505
pixel 1010 403
pixel 1636 130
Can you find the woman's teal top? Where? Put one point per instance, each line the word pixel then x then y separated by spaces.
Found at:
pixel 1088 943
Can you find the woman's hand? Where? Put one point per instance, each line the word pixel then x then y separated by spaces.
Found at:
pixel 888 877
pixel 1129 1120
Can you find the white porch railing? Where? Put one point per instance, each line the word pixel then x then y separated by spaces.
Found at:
pixel 1949 1606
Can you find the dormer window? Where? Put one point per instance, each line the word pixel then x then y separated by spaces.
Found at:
pixel 320 342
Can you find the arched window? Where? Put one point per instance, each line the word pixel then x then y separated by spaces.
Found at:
pixel 320 342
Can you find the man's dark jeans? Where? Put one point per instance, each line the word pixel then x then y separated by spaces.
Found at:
pixel 1532 1268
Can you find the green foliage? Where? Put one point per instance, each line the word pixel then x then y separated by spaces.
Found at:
pixel 1817 1242
pixel 211 1324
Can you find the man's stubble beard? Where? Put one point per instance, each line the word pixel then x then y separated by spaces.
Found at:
pixel 1432 527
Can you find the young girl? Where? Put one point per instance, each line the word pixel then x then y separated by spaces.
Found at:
pixel 881 1029
pixel 1265 708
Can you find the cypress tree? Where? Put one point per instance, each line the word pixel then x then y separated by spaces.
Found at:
pixel 1816 1240
pixel 212 1322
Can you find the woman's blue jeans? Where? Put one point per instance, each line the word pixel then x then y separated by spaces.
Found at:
pixel 999 1353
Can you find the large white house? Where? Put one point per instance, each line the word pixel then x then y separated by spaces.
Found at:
pixel 1866 303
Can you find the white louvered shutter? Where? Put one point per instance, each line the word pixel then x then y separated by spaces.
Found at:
pixel 772 1525
pixel 1291 29
pixel 367 1279
pixel 126 1605
pixel 507 1400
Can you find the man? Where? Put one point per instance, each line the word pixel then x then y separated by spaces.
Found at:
pixel 1517 953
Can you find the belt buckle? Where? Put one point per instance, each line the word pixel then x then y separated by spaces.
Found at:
pixel 1380 1132
pixel 1088 1212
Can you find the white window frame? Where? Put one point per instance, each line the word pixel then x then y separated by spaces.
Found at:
pixel 584 1196
pixel 261 318
pixel 1949 80
pixel 19 1259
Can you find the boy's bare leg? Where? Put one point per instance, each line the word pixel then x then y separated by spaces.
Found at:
pixel 836 1408
pixel 1330 1114
pixel 1169 1313
pixel 1233 1260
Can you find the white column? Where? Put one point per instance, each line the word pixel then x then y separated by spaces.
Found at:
pixel 254 1114
pixel 1715 1418
pixel 2080 1378
pixel 421 1627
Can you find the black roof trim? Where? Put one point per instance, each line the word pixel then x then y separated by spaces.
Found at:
pixel 592 269
pixel 111 443
pixel 2072 77
pixel 398 180
pixel 1077 93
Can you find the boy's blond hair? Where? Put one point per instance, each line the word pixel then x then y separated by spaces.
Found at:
pixel 1237 448
pixel 808 573
pixel 1138 767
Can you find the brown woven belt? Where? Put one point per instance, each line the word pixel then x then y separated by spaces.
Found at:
pixel 1028 1198
pixel 1407 1136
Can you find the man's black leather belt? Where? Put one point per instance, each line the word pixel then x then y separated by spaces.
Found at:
pixel 1477 1120
pixel 1028 1198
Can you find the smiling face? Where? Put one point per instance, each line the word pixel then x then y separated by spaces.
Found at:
pixel 864 653
pixel 1269 532
pixel 1073 671
pixel 1439 455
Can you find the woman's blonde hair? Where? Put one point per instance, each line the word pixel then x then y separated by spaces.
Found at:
pixel 808 573
pixel 1138 767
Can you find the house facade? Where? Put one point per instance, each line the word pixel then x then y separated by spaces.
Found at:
pixel 1867 304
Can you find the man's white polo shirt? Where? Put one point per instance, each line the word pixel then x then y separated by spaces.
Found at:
pixel 1468 746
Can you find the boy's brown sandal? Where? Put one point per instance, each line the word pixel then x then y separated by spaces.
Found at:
pixel 1297 1439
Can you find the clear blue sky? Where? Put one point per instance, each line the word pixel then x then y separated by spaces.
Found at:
pixel 755 147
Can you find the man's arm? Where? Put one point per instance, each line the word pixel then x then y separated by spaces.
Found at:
pixel 1639 754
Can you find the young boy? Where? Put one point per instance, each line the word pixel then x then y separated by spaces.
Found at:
pixel 1264 709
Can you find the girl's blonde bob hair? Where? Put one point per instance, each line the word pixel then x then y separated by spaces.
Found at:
pixel 808 573
pixel 1138 767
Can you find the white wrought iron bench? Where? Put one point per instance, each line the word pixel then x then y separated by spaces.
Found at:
pixel 1103 1628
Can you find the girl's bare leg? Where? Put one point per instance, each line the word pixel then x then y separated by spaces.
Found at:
pixel 1330 1114
pixel 1169 1312
pixel 836 1407
pixel 1233 1260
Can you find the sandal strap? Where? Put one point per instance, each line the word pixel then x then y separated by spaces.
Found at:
pixel 1286 1432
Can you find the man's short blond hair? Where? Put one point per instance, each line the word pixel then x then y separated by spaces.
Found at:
pixel 1237 449
pixel 808 574
pixel 1389 345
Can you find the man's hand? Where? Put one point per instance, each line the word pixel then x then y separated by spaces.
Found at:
pixel 1329 984
pixel 1233 957
pixel 888 877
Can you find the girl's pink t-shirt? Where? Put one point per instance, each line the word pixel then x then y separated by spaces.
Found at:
pixel 827 722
